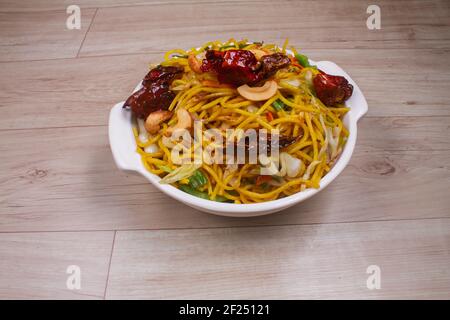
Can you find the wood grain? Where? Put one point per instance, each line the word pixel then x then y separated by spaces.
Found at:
pixel 65 179
pixel 80 92
pixel 306 23
pixel 59 187
pixel 293 262
pixel 33 265
pixel 40 35
pixel 45 5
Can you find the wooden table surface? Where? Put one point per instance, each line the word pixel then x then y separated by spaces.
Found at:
pixel 63 202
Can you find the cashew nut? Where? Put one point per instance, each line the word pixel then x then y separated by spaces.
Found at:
pixel 194 64
pixel 258 53
pixel 155 118
pixel 268 90
pixel 184 122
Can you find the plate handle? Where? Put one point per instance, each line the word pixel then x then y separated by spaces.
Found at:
pixel 121 138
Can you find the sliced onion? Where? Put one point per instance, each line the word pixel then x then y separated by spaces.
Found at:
pixel 308 77
pixel 293 82
pixel 268 166
pixel 143 134
pixel 168 142
pixel 180 173
pixel 151 148
pixel 290 164
pixel 252 108
pixel 310 169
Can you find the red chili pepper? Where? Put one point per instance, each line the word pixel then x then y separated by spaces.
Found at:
pixel 269 116
pixel 262 179
pixel 332 90
pixel 155 93
pixel 238 67
pixel 232 66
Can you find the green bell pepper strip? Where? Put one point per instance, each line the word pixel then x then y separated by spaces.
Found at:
pixel 197 180
pixel 303 60
pixel 201 194
pixel 278 105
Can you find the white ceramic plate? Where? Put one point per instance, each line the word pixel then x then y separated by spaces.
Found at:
pixel 123 146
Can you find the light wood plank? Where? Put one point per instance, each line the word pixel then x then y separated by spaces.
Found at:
pixel 65 179
pixel 411 24
pixel 44 5
pixel 34 265
pixel 68 92
pixel 40 35
pixel 295 262
pixel 78 92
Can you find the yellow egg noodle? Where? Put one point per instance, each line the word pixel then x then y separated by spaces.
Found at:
pixel 318 129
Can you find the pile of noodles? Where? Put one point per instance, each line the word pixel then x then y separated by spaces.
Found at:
pixel 321 129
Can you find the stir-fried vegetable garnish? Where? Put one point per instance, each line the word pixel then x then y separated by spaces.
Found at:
pixel 197 180
pixel 182 172
pixel 200 194
pixel 278 105
pixel 303 60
